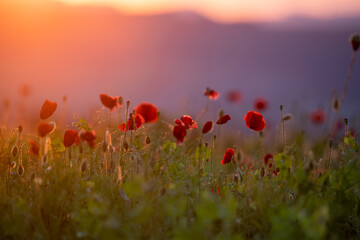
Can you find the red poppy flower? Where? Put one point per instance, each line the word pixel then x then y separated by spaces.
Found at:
pixel 34 149
pixel 187 122
pixel 179 133
pixel 260 104
pixel 234 96
pixel 47 109
pixel 129 125
pixel 207 127
pixel 317 117
pixel 267 158
pixel 89 137
pixel 254 121
pixel 229 153
pixel 44 129
pixel 148 111
pixel 276 172
pixel 71 137
pixel 211 94
pixel 224 119
pixel 109 101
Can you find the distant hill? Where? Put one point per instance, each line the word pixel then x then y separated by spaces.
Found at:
pixel 169 59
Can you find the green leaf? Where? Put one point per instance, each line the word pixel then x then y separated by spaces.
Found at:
pixel 82 124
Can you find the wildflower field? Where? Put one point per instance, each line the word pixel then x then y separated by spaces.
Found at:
pixel 134 174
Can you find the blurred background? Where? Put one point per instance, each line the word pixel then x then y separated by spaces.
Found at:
pixel 167 52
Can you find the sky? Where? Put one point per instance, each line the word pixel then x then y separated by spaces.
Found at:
pixel 236 10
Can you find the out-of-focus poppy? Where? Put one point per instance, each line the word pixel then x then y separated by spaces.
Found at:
pixel 207 127
pixel 223 119
pixel 129 125
pixel 187 122
pixel 339 125
pixel 109 101
pixel 179 133
pixel 267 158
pixel 25 90
pixel 71 137
pixel 34 148
pixel 317 117
pixel 89 137
pixel 148 111
pixel 47 109
pixel 254 121
pixel 229 153
pixel 44 129
pixel 211 94
pixel 234 96
pixel 260 104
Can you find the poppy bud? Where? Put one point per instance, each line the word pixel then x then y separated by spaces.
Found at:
pixel 206 144
pixel 261 134
pixel 44 159
pixel 83 166
pixel 111 149
pixel 20 128
pixel 281 107
pixel 126 145
pixel 355 42
pixel 346 121
pixel 64 99
pixel 262 171
pixel 14 151
pixel 207 160
pixel 236 178
pixel 238 156
pixel 221 113
pixel 20 170
pixel 127 103
pixel 32 177
pixel 148 140
pixel 336 105
pixel 120 100
pixel 287 117
pixel 104 146
pixel 162 191
pixel 331 142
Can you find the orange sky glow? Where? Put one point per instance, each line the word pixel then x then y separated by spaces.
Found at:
pixel 236 10
pixel 231 10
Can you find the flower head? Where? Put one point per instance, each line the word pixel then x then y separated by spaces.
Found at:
pixel 34 148
pixel 355 42
pixel 89 137
pixel 187 122
pixel 47 109
pixel 135 121
pixel 207 127
pixel 109 101
pixel 179 133
pixel 148 111
pixel 71 137
pixel 223 119
pixel 44 129
pixel 211 94
pixel 229 153
pixel 254 121
pixel 234 96
pixel 260 104
pixel 317 117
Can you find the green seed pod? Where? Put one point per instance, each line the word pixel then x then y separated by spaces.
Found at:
pixel 148 140
pixel 14 151
pixel 20 170
pixel 262 171
pixel 355 42
pixel 83 166
pixel 287 117
pixel 346 121
pixel 336 105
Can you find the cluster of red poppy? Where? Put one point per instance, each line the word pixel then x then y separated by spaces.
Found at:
pixel 186 122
